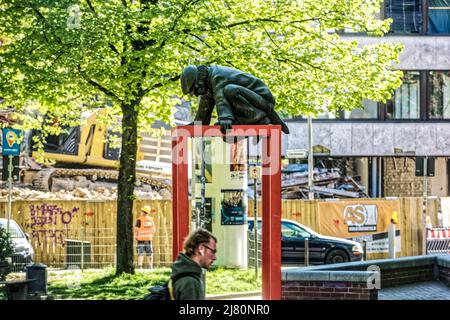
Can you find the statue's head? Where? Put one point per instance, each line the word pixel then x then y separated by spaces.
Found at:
pixel 188 78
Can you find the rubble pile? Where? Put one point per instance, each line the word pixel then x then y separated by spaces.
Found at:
pixel 99 193
pixel 327 183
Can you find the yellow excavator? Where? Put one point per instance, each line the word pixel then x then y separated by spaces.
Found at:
pixel 88 151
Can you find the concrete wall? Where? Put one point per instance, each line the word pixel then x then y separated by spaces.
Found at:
pixel 372 138
pixel 420 53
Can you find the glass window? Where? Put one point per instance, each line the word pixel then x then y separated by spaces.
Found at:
pixel 14 229
pixel 439 16
pixel 370 111
pixel 439 94
pixel 406 101
pixel 293 231
pixel 325 115
pixel 406 15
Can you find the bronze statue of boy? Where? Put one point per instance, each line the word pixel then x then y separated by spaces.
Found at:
pixel 240 98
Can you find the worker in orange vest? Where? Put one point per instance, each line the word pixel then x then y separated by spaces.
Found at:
pixel 143 233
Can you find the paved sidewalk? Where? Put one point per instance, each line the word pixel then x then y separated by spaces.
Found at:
pixel 430 290
pixel 251 295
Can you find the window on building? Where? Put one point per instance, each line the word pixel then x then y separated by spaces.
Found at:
pixel 409 17
pixel 406 101
pixel 438 16
pixel 325 114
pixel 439 95
pixel 406 15
pixel 370 111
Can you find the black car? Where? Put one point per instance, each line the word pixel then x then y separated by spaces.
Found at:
pixel 23 250
pixel 322 249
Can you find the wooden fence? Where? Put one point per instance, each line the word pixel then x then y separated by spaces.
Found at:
pixel 411 220
pixel 51 222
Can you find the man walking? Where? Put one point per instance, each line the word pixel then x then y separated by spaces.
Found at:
pixel 199 252
pixel 143 232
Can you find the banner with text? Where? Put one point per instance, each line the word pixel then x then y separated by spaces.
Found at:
pixel 360 220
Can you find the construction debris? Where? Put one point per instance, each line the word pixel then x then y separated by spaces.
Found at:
pixel 99 193
pixel 327 182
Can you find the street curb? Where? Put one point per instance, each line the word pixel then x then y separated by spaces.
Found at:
pixel 233 295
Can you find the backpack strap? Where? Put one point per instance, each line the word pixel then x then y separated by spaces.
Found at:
pixel 170 287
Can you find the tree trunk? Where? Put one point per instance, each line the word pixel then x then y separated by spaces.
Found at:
pixel 126 183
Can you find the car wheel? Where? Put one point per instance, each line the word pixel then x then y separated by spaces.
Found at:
pixel 336 256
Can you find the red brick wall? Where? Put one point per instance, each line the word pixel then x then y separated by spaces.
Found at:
pixel 326 290
pixel 444 275
pixel 395 277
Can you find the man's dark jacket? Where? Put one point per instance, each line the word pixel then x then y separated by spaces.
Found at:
pixel 189 287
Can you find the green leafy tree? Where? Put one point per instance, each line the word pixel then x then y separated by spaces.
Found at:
pixel 62 57
pixel 6 249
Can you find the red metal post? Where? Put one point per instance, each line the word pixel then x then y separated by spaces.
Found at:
pixel 271 194
pixel 175 215
pixel 180 201
pixel 271 216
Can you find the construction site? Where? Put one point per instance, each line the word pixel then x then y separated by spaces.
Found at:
pixel 83 165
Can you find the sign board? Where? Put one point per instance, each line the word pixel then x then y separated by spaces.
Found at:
pixel 360 220
pixel 297 154
pixel 255 173
pixel 233 211
pixel 10 142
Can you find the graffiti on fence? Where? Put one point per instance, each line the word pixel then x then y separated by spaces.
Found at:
pixel 50 214
pixel 45 215
pixel 55 236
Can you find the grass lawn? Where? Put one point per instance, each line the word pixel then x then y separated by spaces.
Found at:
pixel 103 284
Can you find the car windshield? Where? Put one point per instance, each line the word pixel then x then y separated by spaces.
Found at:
pixel 293 231
pixel 288 229
pixel 14 229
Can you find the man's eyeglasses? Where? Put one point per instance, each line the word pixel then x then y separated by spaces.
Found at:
pixel 212 250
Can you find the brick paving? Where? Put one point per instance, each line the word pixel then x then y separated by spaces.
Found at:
pixel 430 290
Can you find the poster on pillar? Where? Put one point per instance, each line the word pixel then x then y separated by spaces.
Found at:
pixel 206 158
pixel 234 208
pixel 360 220
pixel 238 157
pixel 208 218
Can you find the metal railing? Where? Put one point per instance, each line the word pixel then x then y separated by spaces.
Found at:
pixel 88 248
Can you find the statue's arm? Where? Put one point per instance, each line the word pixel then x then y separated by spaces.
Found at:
pixel 224 110
pixel 205 109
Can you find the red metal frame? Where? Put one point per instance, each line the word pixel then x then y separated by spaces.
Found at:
pixel 271 194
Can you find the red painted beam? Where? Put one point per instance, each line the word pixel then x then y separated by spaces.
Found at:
pixel 195 131
pixel 271 216
pixel 180 199
pixel 271 194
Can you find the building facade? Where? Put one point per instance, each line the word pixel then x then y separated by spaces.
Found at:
pixel 384 141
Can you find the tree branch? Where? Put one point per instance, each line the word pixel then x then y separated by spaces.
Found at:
pixel 298 64
pixel 111 46
pixel 41 16
pixel 97 85
pixel 159 85
pixel 91 6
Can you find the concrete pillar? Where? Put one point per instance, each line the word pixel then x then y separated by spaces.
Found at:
pixel 391 236
pixel 228 177
pixel 374 188
pixel 362 170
